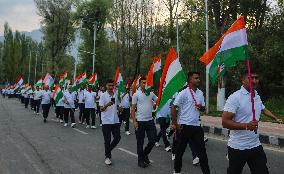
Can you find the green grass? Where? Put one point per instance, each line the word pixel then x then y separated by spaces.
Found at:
pixel 275 105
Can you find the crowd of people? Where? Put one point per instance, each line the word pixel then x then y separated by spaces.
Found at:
pixel 179 120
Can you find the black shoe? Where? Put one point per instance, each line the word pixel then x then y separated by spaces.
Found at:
pixel 142 164
pixel 146 160
pixel 44 120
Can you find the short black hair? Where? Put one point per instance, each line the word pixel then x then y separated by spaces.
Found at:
pixel 109 81
pixel 142 78
pixel 245 73
pixel 191 73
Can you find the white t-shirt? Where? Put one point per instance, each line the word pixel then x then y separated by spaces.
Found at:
pixel 109 116
pixel 144 105
pixel 81 96
pixel 89 98
pixel 37 94
pixel 69 99
pixel 239 103
pixel 46 96
pixel 188 114
pixel 125 101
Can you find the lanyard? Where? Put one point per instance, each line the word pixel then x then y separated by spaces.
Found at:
pixel 191 92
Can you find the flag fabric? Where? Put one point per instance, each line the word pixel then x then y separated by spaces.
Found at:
pixel 231 48
pixel 18 84
pixel 93 80
pixel 79 82
pixel 48 80
pixel 57 94
pixel 119 87
pixel 39 83
pixel 27 89
pixel 172 80
pixel 149 86
pixel 135 84
pixel 62 78
pixel 157 71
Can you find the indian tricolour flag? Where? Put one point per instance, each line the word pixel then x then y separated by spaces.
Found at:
pixel 18 84
pixel 172 80
pixel 119 87
pixel 57 94
pixel 231 48
pixel 150 80
pixel 62 78
pixel 157 69
pixel 135 84
pixel 79 82
pixel 27 89
pixel 39 83
pixel 93 80
pixel 48 80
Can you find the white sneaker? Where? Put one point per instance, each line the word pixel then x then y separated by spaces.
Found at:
pixel 34 112
pixel 61 121
pixel 87 127
pixel 195 161
pixel 176 173
pixel 93 127
pixel 65 124
pixel 124 122
pixel 107 161
pixel 173 157
pixel 157 144
pixel 101 125
pixel 168 149
pixel 37 113
pixel 73 125
pixel 127 133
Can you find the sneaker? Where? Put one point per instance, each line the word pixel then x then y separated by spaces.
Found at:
pixel 205 139
pixel 173 157
pixel 44 120
pixel 146 160
pixel 80 122
pixel 93 127
pixel 124 122
pixel 37 113
pixel 65 124
pixel 101 125
pixel 73 125
pixel 195 161
pixel 61 121
pixel 34 112
pixel 157 144
pixel 127 133
pixel 87 127
pixel 142 164
pixel 176 173
pixel 227 157
pixel 107 161
pixel 168 149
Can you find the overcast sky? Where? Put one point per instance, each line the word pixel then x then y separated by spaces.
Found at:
pixel 20 14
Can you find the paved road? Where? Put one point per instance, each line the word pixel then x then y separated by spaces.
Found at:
pixel 28 146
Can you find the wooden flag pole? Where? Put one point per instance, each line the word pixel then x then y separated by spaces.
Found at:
pixel 251 92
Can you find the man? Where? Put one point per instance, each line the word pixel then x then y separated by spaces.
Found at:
pixel 244 145
pixel 90 107
pixel 110 121
pixel 143 122
pixel 186 121
pixel 45 102
pixel 37 97
pixel 81 104
pixel 59 109
pixel 69 106
pixel 125 109
pixel 27 98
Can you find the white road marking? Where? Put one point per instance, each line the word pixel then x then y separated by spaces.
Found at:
pixel 131 153
pixel 82 132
